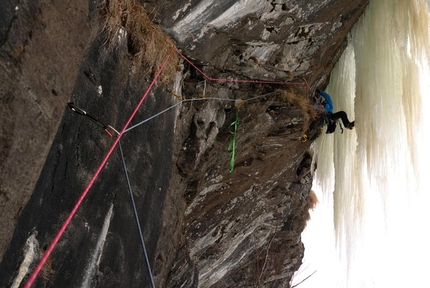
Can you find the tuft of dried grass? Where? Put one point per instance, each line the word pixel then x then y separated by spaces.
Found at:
pixel 114 15
pixel 303 103
pixel 311 202
pixel 146 42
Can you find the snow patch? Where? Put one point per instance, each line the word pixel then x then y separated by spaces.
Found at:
pixel 184 8
pixel 95 259
pixel 122 34
pixel 31 255
pixel 200 19
pixel 238 11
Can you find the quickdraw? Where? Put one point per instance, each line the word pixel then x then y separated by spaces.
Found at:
pixel 232 145
pixel 110 131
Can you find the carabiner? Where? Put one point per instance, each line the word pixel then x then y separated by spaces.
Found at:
pixel 76 109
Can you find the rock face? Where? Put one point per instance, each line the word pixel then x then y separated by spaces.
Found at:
pixel 203 226
pixel 36 82
pixel 265 39
pixel 240 227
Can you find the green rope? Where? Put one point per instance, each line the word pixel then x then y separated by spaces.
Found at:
pixel 232 145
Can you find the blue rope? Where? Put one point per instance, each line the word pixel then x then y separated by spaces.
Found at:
pixel 142 241
pixel 191 100
pixel 153 116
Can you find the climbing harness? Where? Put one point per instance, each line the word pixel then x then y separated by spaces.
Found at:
pixel 112 132
pixel 319 106
pixel 232 145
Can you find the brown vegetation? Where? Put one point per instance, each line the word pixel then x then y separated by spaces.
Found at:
pixel 147 43
pixel 311 202
pixel 303 103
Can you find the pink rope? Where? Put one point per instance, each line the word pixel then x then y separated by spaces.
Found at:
pixel 93 179
pixel 237 80
pixel 109 153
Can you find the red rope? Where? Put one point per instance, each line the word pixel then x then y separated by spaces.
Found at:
pixel 93 179
pixel 103 163
pixel 237 80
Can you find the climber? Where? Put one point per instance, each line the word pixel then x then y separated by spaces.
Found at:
pixel 327 103
pixel 327 116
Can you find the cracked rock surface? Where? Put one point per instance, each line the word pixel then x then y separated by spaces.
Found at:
pixel 265 39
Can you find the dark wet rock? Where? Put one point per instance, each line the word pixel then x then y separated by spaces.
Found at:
pixel 203 226
pixel 41 51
